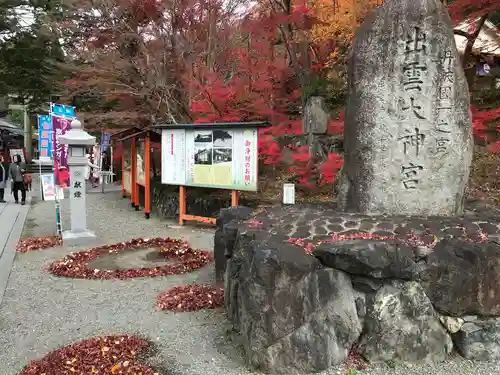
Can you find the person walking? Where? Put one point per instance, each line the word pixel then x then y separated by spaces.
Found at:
pixel 91 171
pixel 4 176
pixel 16 174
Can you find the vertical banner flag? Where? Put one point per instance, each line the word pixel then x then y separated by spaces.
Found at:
pixel 105 138
pixel 45 136
pixel 61 122
pixel 60 127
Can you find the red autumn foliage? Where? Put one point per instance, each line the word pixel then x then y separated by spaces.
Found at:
pixel 264 86
pixel 191 298
pixel 330 168
pixel 472 9
pixel 482 122
pixel 197 61
pixel 99 355
pixel 38 243
pixel 186 259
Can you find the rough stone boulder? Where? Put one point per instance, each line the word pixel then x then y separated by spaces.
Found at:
pixel 372 258
pixel 401 325
pixel 396 300
pixel 225 235
pixel 294 316
pixel 479 340
pixel 464 278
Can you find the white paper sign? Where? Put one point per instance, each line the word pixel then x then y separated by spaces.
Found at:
pixel 173 164
pixel 48 187
pixel 288 193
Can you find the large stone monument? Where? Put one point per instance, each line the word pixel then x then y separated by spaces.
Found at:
pixel 78 140
pixel 408 130
pixel 307 287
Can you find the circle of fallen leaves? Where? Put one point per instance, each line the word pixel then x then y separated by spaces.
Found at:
pixel 192 297
pixel 98 355
pixel 38 243
pixel 76 265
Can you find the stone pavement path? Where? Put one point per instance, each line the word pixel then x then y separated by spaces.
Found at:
pixel 12 218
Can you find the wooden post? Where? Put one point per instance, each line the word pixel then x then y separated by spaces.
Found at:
pixel 124 192
pixel 235 198
pixel 133 191
pixel 147 177
pixel 182 204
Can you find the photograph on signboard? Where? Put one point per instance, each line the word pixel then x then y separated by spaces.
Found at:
pixel 203 155
pixel 222 156
pixel 201 136
pixel 222 138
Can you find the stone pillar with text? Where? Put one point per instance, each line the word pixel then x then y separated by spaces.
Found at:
pixel 408 129
pixel 77 140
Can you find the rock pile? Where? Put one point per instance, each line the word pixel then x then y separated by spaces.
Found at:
pixel 393 301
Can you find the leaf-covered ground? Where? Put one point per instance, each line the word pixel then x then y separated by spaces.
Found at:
pixel 96 356
pixel 191 298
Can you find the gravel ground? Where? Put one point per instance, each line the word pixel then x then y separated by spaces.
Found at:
pixel 41 313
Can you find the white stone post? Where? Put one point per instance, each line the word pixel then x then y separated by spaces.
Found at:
pixel 77 140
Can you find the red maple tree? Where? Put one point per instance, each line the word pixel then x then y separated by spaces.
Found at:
pixel 265 73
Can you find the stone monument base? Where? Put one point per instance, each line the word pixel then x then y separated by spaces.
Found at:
pixel 77 238
pixel 302 294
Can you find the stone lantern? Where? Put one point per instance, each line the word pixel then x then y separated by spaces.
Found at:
pixel 77 140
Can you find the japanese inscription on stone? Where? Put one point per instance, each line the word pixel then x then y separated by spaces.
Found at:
pixel 78 184
pixel 444 105
pixel 413 79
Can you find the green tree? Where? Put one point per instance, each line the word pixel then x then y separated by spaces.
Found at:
pixel 30 53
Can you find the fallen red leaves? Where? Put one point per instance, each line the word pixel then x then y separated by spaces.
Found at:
pixel 355 362
pixel 191 298
pixel 252 223
pixel 99 355
pixel 410 239
pixel 76 265
pixel 38 243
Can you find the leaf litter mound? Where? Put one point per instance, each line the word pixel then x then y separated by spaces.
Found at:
pixel 96 356
pixel 192 297
pixel 38 243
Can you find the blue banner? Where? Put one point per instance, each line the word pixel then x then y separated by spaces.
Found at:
pixel 62 110
pixel 105 138
pixel 45 136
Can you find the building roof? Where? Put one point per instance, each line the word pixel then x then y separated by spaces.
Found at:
pixel 487 42
pixel 6 124
pixel 217 125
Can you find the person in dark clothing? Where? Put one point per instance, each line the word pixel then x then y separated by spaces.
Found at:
pixel 16 174
pixel 4 176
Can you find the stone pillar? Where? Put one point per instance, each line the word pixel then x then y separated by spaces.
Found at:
pixel 78 140
pixel 408 128
pixel 315 123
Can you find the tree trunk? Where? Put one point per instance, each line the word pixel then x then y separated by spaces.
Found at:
pixel 468 58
